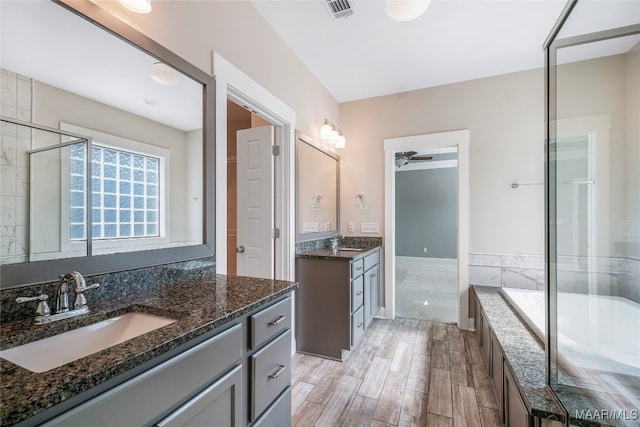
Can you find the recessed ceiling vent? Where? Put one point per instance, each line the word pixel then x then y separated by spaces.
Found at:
pixel 338 8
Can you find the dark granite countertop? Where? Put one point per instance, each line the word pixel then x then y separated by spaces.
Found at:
pixel 199 307
pixel 523 352
pixel 328 253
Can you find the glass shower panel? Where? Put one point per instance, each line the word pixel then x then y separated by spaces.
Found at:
pixel 57 214
pixel 594 213
pixel 43 196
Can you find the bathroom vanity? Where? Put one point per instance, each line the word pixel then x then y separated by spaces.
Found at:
pixel 338 297
pixel 225 357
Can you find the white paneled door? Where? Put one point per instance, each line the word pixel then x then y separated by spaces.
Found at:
pixel 254 252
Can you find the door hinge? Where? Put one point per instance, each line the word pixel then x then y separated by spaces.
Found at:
pixel 275 233
pixel 275 150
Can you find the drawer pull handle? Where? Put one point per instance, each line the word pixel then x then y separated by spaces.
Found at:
pixel 277 321
pixel 359 293
pixel 360 325
pixel 277 373
pixel 358 268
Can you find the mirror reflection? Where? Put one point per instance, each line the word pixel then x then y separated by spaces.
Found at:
pixel 318 174
pixel 137 124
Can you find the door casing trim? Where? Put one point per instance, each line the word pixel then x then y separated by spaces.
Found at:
pixel 233 84
pixel 459 139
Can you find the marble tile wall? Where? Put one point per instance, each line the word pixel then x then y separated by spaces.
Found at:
pixel 614 276
pixel 15 141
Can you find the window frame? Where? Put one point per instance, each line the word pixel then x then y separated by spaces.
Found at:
pixel 111 245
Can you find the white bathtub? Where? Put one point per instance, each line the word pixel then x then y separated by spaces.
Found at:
pixel 587 324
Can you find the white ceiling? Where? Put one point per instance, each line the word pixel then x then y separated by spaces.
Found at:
pixel 367 54
pixel 88 61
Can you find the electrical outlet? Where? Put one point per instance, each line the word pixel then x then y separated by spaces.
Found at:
pixel 425 250
pixel 327 226
pixel 310 227
pixel 369 227
pixel 352 227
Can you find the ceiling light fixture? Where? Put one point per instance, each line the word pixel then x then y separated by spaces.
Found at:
pixel 330 132
pixel 164 74
pixel 406 10
pixel 137 6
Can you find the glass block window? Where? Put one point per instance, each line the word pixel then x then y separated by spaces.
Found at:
pixel 124 192
pixel 78 180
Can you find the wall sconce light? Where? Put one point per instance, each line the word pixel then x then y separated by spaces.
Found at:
pixel 330 132
pixel 137 6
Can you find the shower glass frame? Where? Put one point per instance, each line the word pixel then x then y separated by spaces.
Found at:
pixel 552 181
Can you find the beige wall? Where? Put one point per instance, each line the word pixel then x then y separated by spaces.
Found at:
pixel 234 29
pixel 608 86
pixel 52 105
pixel 505 116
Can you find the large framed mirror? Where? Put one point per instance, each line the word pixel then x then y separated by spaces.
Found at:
pixel 107 140
pixel 317 190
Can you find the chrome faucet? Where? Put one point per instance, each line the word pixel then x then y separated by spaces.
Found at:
pixel 62 309
pixel 62 301
pixel 62 295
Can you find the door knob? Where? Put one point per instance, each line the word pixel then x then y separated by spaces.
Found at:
pixel 240 249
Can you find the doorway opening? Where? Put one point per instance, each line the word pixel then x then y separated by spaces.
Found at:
pixel 460 141
pixel 234 85
pixel 426 203
pixel 250 193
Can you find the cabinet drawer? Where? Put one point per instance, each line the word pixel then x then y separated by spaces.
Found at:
pixel 167 385
pixel 357 268
pixel 270 322
pixel 279 414
pixel 371 260
pixel 357 293
pixel 219 403
pixel 270 373
pixel 357 326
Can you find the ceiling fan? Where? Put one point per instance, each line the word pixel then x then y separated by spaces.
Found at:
pixel 404 157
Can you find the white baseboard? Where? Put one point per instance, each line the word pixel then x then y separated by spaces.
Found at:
pixel 472 324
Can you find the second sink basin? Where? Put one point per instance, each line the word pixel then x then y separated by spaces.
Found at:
pixel 58 350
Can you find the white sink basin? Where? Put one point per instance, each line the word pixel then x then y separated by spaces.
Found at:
pixel 350 249
pixel 58 350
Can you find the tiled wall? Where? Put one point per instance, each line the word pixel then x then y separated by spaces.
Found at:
pixel 614 276
pixel 15 141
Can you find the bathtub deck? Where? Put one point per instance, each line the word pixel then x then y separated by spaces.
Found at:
pixel 589 391
pixel 523 352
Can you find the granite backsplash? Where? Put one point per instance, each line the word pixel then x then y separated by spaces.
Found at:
pixel 112 285
pixel 347 241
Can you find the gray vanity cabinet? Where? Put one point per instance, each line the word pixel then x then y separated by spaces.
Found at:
pixel 240 376
pixel 212 367
pixel 220 402
pixel 337 299
pixel 371 286
pixel 515 411
pixel 497 373
pixel 478 322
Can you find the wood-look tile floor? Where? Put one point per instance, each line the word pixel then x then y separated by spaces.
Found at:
pixel 404 372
